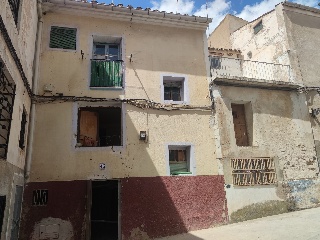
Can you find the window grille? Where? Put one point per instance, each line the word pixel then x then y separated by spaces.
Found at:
pixel 63 37
pixel 253 171
pixel 23 129
pixel 14 5
pixel 7 94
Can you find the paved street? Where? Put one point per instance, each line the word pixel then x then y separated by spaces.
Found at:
pixel 300 225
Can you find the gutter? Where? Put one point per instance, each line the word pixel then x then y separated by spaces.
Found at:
pixel 35 78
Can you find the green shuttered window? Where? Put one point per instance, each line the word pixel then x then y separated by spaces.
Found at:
pixel 63 37
pixel 106 73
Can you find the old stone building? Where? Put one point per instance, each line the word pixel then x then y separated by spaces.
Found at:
pixel 18 25
pixel 264 91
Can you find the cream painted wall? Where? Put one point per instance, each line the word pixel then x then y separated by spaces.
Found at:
pixel 56 157
pixel 156 51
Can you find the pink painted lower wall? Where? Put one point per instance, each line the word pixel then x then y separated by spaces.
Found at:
pixel 150 207
pixel 164 206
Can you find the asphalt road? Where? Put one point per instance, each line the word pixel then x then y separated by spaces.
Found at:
pixel 299 225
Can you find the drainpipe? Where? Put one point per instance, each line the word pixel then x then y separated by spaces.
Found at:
pixel 34 91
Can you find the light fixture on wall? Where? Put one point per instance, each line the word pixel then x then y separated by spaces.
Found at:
pixel 143 135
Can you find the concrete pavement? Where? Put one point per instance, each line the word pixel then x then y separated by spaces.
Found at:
pixel 299 225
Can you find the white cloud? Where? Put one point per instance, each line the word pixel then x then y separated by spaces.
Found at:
pixel 181 6
pixel 251 12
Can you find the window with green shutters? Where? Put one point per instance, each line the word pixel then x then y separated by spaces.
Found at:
pixel 63 38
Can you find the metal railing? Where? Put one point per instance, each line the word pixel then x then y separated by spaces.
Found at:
pixel 106 73
pixel 253 171
pixel 230 67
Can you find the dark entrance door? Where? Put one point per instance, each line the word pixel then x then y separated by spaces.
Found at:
pixel 104 210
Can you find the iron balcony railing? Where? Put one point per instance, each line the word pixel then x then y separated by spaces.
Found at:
pixel 230 67
pixel 106 73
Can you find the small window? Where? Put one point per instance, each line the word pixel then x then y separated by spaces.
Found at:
pixel 106 51
pixel 257 27
pixel 215 62
pixel 173 89
pixel 63 38
pixel 179 160
pixel 240 124
pixel 99 127
pixel 23 129
pixel 253 171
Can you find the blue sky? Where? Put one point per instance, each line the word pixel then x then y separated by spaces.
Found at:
pixel 215 9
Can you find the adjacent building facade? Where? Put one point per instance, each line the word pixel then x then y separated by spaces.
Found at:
pixel 264 92
pixel 18 26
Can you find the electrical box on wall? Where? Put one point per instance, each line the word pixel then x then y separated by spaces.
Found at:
pixel 49 231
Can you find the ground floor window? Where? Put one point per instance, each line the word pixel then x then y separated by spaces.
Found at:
pixel 99 126
pixel 179 160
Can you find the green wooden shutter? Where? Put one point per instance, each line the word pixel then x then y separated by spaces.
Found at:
pixel 63 37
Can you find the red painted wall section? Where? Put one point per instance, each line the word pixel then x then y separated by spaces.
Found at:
pixel 163 206
pixel 66 201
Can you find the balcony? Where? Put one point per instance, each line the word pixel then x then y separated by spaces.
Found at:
pixel 229 67
pixel 106 73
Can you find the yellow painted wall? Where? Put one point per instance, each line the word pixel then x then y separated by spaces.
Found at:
pixel 156 51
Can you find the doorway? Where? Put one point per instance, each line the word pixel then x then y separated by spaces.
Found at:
pixel 105 210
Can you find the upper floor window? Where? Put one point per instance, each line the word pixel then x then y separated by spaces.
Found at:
pixel 257 27
pixel 23 129
pixel 15 6
pixel 106 63
pixel 7 93
pixel 99 126
pixel 174 89
pixel 63 38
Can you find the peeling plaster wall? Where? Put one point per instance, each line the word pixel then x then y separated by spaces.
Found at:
pixel 281 130
pixel 270 44
pixel 163 206
pixel 67 202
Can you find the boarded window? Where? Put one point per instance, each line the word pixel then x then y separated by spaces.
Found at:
pixel 179 160
pixel 253 171
pixel 2 208
pixel 23 129
pixel 99 126
pixel 240 124
pixel 63 37
pixel 257 27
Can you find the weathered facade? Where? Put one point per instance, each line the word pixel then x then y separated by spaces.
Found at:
pixel 121 108
pixel 263 112
pixel 18 26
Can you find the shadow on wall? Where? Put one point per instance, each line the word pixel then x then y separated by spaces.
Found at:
pixel 151 206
